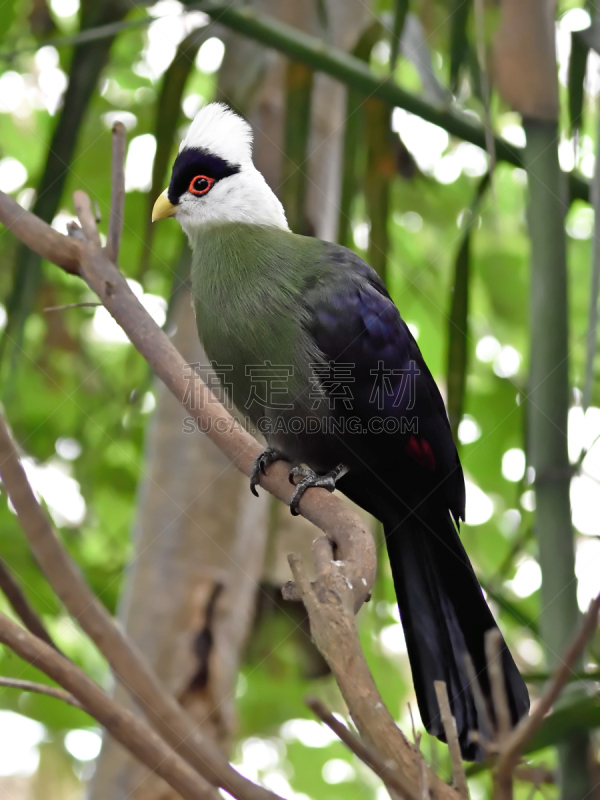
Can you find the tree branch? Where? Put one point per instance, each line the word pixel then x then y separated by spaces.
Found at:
pixel 39 236
pixel 41 688
pixel 117 198
pixel 386 770
pixel 493 655
pixel 121 723
pixel 449 723
pixel 21 605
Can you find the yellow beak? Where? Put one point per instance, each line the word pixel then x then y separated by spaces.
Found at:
pixel 163 207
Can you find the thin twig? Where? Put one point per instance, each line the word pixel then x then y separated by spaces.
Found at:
pixel 487 733
pixel 493 654
pixel 74 230
pixel 117 198
pixel 72 305
pixel 416 736
pixel 125 726
pixel 423 768
pixel 514 744
pixel 386 769
pixel 86 216
pixel 449 723
pixel 21 605
pixel 424 790
pixel 41 688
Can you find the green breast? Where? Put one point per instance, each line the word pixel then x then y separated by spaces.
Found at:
pixel 247 284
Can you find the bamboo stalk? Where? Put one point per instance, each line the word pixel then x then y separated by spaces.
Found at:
pixel 547 415
pixel 298 86
pixel 380 171
pixel 353 136
pixel 592 336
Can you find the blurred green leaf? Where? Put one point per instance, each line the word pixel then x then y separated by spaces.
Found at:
pixel 459 42
pixel 458 320
pixel 576 81
pixel 400 11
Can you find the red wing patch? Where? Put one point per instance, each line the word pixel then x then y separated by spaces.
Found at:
pixel 420 451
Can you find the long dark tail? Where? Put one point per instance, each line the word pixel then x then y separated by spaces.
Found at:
pixel 445 615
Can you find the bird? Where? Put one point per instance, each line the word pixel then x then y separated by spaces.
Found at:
pixel 311 347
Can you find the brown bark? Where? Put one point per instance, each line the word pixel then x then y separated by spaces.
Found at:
pixel 524 57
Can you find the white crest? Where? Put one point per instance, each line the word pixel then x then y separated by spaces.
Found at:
pixel 221 131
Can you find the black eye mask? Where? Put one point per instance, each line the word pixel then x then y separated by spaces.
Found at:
pixel 193 161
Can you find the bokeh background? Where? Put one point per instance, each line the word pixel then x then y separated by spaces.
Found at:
pixel 146 509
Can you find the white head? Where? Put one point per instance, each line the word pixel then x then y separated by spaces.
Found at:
pixel 214 179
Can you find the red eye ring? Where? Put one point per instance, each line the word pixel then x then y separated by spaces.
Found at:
pixel 203 188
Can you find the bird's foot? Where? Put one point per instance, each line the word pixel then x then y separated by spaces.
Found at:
pixel 310 480
pixel 264 460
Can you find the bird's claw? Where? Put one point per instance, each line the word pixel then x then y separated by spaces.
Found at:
pixel 300 472
pixel 264 460
pixel 310 480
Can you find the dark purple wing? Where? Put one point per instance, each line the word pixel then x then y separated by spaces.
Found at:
pixel 353 321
